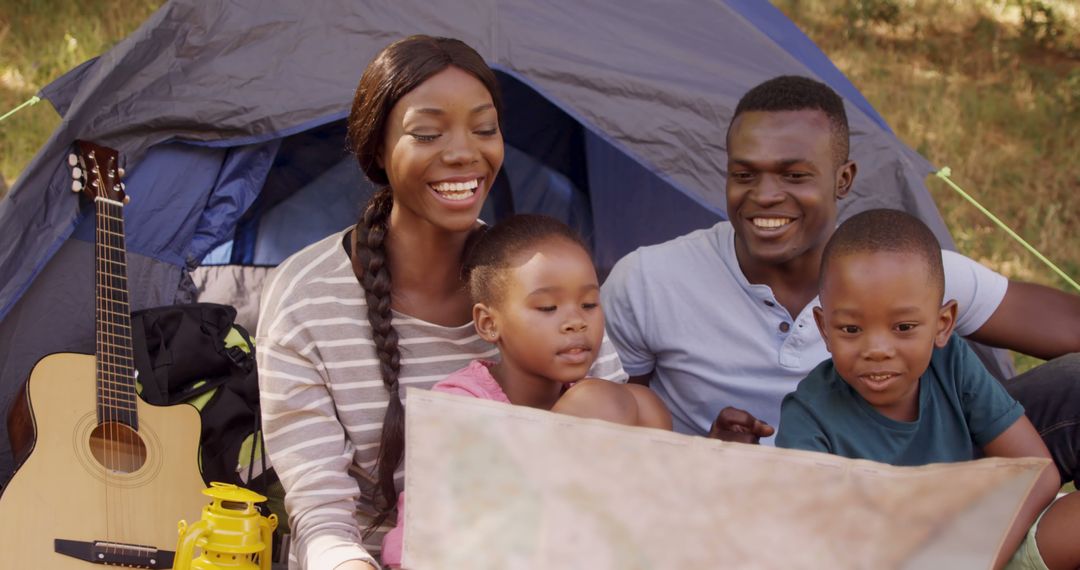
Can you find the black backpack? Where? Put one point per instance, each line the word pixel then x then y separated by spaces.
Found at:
pixel 195 353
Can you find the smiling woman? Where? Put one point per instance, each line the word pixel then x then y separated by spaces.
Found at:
pixel 424 125
pixel 338 339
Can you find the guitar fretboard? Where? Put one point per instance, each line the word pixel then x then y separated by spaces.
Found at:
pixel 115 360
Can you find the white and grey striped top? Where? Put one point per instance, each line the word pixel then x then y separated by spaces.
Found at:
pixel 323 400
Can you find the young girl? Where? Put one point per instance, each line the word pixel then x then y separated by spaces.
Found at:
pixel 338 337
pixel 538 299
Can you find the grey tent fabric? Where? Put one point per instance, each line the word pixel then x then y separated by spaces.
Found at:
pixel 652 84
pixel 228 73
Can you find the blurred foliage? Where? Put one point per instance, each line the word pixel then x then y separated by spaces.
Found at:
pixel 862 14
pixel 1039 23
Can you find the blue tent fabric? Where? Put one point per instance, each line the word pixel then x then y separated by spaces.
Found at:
pixel 62 91
pixel 229 114
pixel 217 186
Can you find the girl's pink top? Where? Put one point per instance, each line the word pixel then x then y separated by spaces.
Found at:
pixel 474 380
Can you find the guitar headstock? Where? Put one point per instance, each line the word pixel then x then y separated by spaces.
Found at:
pixel 96 172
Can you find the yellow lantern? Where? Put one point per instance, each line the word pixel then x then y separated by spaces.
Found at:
pixel 232 535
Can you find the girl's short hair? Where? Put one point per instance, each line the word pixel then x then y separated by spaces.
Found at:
pixel 497 249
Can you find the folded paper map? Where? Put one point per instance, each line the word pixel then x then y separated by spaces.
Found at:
pixel 494 486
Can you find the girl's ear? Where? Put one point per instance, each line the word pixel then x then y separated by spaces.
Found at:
pixel 819 318
pixel 946 322
pixel 486 321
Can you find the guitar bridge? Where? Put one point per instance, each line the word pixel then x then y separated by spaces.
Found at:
pixel 115 553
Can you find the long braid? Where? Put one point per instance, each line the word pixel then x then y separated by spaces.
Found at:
pixel 372 269
pixel 396 70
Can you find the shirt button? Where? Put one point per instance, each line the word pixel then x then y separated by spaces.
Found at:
pixel 785 327
pixel 770 304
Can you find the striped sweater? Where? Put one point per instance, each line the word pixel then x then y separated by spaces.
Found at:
pixel 323 400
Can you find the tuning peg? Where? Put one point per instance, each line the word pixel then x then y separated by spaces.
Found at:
pixel 72 159
pixel 121 172
pixel 76 186
pixel 123 187
pixel 76 173
pixel 127 200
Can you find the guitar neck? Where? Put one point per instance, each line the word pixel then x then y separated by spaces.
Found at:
pixel 116 392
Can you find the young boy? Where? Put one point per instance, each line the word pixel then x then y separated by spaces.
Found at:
pixel 901 389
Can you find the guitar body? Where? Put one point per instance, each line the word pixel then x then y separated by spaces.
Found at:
pixel 63 491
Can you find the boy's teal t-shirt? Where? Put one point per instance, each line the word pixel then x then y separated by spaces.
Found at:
pixel 961 409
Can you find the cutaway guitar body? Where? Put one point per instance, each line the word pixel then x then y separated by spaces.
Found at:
pixel 147 482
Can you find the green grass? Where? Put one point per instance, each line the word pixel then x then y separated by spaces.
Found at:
pixel 39 41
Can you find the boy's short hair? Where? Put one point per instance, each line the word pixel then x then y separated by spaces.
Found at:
pixel 796 93
pixel 885 230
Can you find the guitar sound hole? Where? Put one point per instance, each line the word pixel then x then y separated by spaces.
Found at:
pixel 117 447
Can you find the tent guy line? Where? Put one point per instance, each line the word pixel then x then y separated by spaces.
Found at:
pixel 944 174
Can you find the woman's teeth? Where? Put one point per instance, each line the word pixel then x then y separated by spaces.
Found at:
pixel 456 190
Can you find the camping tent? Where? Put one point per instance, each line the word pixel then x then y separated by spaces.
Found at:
pixel 230 116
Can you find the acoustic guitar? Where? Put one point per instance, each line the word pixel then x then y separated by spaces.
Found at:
pixel 103 477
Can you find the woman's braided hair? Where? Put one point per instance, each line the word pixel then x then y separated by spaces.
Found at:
pixel 398 69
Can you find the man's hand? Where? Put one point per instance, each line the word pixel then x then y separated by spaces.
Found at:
pixel 733 424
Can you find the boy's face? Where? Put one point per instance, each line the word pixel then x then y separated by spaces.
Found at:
pixel 548 322
pixel 881 317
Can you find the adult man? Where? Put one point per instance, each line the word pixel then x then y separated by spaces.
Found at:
pixel 722 316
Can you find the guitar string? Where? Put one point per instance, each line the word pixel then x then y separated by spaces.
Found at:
pixel 115 433
pixel 128 431
pixel 121 369
pixel 108 398
pixel 104 410
pixel 139 452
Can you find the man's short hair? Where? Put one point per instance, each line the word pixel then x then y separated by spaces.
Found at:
pixel 882 230
pixel 796 93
